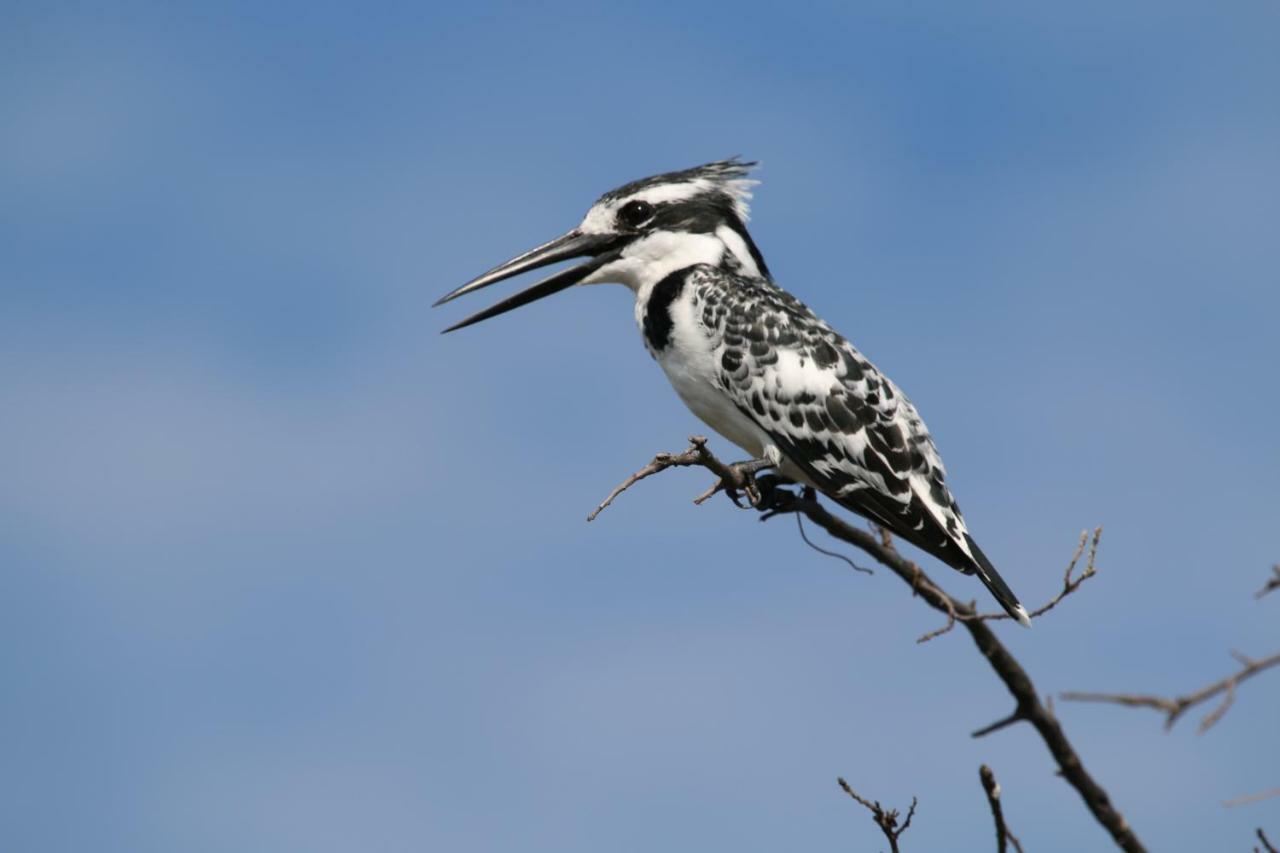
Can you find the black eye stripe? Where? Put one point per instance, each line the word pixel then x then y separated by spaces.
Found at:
pixel 635 213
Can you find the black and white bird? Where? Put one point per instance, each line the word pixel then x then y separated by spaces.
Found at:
pixel 751 360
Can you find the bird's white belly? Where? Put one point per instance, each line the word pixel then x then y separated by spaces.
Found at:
pixel 690 365
pixel 708 402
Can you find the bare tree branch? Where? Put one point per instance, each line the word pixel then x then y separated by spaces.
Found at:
pixel 886 820
pixel 1027 705
pixel 1003 836
pixel 1267 845
pixel 1174 708
pixel 1274 583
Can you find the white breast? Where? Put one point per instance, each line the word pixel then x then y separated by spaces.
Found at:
pixel 690 365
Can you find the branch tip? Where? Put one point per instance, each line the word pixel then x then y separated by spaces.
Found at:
pixel 1273 583
pixel 1003 836
pixel 1004 722
pixel 887 820
pixel 1174 708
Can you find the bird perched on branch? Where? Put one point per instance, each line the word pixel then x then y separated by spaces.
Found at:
pixel 752 361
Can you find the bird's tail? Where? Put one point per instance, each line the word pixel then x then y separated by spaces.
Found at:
pixel 989 576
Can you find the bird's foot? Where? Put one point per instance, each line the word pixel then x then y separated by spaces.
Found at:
pixel 777 499
pixel 742 477
pixel 774 499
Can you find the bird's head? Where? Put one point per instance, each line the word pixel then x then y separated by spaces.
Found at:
pixel 639 233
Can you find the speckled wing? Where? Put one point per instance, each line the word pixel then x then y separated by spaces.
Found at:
pixel 832 414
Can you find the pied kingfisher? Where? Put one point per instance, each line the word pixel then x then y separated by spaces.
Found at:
pixel 752 361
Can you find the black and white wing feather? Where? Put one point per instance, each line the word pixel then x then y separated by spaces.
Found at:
pixel 843 425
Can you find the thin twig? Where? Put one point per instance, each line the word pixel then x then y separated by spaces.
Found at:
pixel 732 477
pixel 952 615
pixel 1262 836
pixel 1247 799
pixel 659 463
pixel 1017 716
pixel 1274 583
pixel 1174 708
pixel 1003 836
pixel 821 550
pixel 1028 707
pixel 886 820
pixel 1069 585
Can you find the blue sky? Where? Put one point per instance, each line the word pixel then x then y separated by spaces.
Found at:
pixel 287 570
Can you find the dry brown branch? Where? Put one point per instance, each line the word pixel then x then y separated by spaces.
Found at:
pixel 1274 583
pixel 1003 836
pixel 1248 799
pixel 732 478
pixel 1174 708
pixel 697 454
pixel 1027 705
pixel 1266 844
pixel 886 820
pixel 952 616
pixel 1069 585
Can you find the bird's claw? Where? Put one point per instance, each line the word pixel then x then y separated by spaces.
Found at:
pixel 776 499
pixel 742 478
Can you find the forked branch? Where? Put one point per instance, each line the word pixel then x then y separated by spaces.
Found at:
pixel 886 820
pixel 1069 585
pixel 732 478
pixel 1176 706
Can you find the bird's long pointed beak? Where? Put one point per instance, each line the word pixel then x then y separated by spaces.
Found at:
pixel 601 247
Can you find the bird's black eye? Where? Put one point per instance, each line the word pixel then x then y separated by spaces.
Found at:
pixel 635 213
